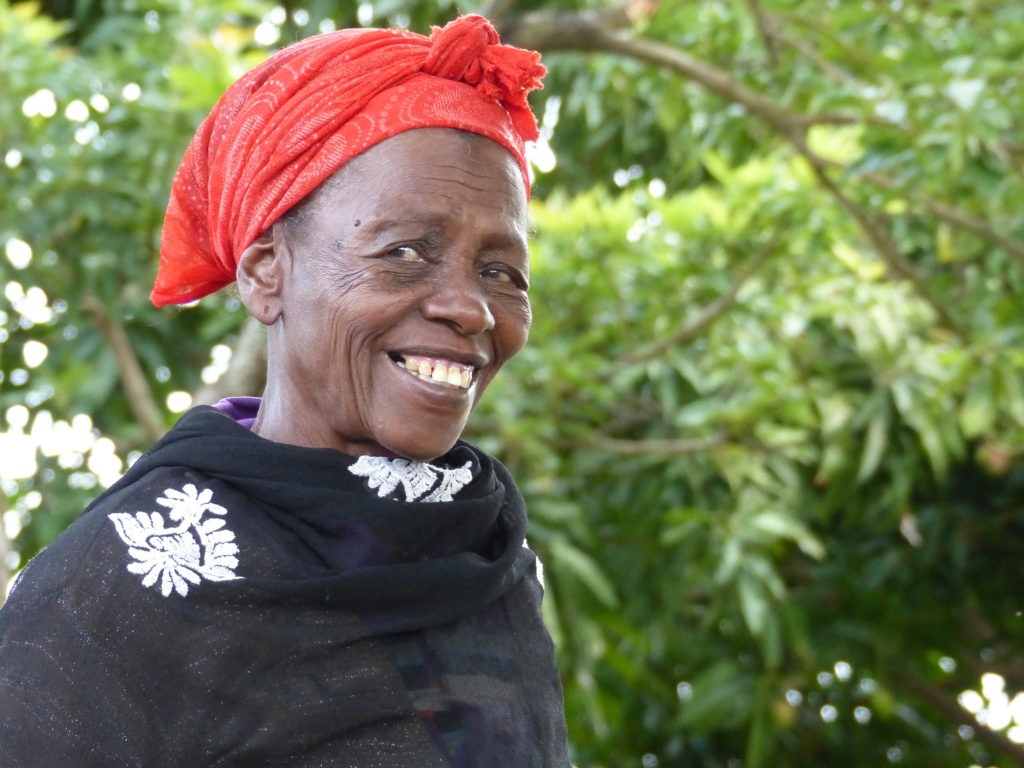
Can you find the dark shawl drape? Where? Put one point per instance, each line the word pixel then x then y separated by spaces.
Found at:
pixel 232 601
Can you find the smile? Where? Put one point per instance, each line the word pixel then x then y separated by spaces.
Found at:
pixel 444 373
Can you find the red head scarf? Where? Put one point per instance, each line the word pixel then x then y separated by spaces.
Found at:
pixel 287 125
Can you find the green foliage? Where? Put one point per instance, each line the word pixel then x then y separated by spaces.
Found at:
pixel 86 196
pixel 774 473
pixel 834 408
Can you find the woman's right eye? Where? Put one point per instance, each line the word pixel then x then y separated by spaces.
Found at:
pixel 405 253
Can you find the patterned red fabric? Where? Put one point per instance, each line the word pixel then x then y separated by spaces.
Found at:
pixel 287 125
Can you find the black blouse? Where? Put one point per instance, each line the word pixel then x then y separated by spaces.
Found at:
pixel 233 601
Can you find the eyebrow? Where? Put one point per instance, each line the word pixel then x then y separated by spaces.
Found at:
pixel 433 222
pixel 436 225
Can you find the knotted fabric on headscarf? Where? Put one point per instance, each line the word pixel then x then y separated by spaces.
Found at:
pixel 290 123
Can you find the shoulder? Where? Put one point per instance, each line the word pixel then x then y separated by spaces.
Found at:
pixel 76 637
pixel 127 534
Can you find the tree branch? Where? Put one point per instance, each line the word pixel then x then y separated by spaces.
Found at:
pixel 496 11
pixel 837 118
pixel 978 226
pixel 881 240
pixel 940 700
pixel 836 74
pixel 539 30
pixel 579 31
pixel 772 32
pixel 765 28
pixel 136 388
pixel 954 216
pixel 696 325
pixel 589 31
pixel 677 447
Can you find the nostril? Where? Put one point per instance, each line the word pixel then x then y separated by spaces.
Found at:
pixel 466 310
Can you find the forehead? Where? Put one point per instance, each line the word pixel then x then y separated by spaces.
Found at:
pixel 436 173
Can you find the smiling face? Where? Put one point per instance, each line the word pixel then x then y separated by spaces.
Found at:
pixel 393 296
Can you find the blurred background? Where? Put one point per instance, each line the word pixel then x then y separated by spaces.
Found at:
pixel 770 421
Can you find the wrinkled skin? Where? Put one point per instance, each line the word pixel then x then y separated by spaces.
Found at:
pixel 415 248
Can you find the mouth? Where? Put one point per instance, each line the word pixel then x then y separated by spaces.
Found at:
pixel 442 372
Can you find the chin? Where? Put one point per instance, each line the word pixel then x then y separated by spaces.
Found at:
pixel 422 453
pixel 421 450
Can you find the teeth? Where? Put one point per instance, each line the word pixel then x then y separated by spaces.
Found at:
pixel 438 373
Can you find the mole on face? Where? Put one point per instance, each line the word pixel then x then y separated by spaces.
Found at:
pixel 358 222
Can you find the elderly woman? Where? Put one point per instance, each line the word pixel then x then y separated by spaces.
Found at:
pixel 327 576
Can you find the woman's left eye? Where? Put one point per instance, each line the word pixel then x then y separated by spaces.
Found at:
pixel 504 274
pixel 405 253
pixel 497 273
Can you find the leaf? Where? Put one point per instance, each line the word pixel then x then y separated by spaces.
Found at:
pixel 221 553
pixel 978 412
pixel 1011 389
pixel 875 440
pixel 211 524
pixel 785 526
pixel 732 555
pixel 568 558
pixel 220 536
pixel 753 602
pixel 720 700
pixel 133 529
pixel 929 432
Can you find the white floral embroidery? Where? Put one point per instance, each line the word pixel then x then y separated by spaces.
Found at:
pixel 417 478
pixel 193 550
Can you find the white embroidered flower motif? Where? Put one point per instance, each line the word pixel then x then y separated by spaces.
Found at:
pixel 193 550
pixel 417 478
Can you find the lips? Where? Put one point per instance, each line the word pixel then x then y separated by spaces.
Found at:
pixel 439 370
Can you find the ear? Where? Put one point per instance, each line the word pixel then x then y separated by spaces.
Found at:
pixel 260 275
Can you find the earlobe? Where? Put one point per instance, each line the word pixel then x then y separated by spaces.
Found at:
pixel 260 276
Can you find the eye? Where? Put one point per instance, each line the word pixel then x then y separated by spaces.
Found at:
pixel 497 273
pixel 405 253
pixel 503 273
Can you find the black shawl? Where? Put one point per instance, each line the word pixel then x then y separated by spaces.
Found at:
pixel 233 601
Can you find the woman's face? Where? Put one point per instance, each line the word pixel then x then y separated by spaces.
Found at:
pixel 402 293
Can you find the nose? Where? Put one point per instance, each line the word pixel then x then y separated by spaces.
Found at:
pixel 460 301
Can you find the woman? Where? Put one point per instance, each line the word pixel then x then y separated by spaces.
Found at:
pixel 326 576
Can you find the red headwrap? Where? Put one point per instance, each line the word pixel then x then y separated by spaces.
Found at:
pixel 287 125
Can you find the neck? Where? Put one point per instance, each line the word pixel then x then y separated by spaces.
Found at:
pixel 283 419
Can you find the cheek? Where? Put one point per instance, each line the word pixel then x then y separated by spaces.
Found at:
pixel 513 325
pixel 333 295
pixel 334 279
pixel 333 330
pixel 513 316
